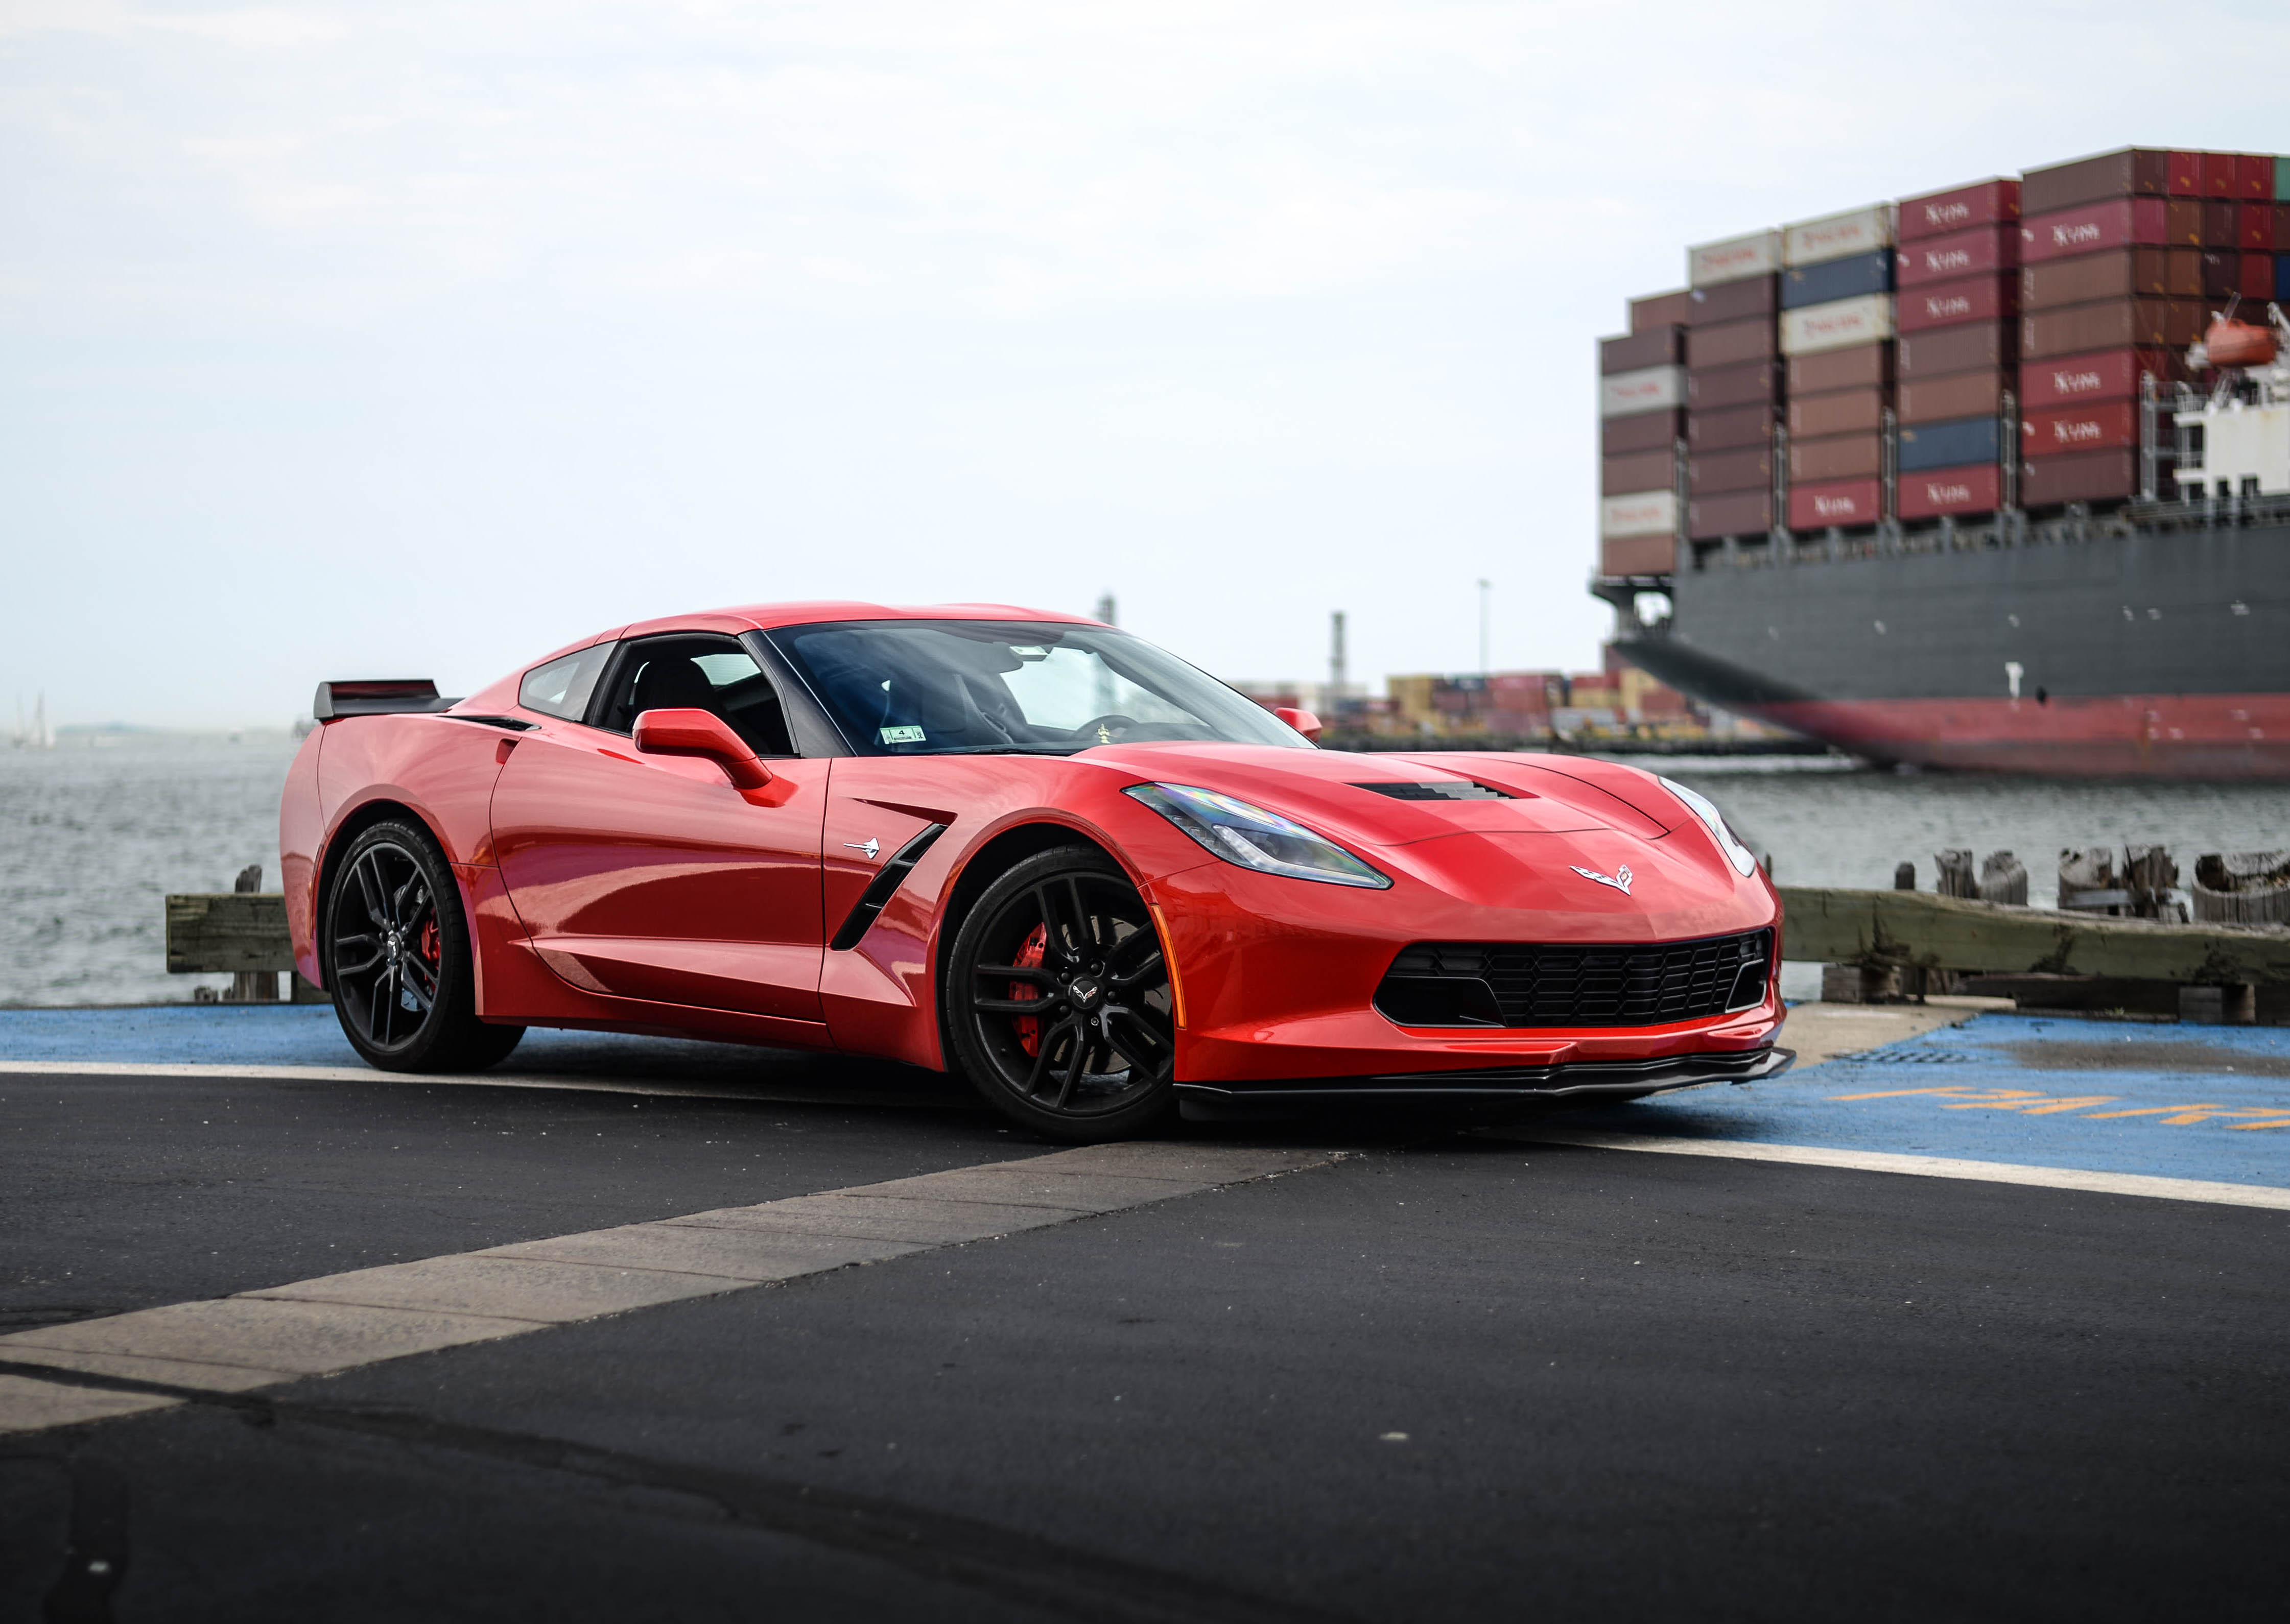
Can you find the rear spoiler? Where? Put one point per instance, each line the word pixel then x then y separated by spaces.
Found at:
pixel 381 698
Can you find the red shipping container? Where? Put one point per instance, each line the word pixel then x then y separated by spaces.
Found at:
pixel 1661 310
pixel 1717 431
pixel 1942 491
pixel 1733 386
pixel 1640 431
pixel 1844 456
pixel 2135 171
pixel 2118 273
pixel 1956 349
pixel 2117 324
pixel 1731 301
pixel 2063 430
pixel 1841 501
pixel 2118 222
pixel 1731 343
pixel 2186 179
pixel 1637 556
pixel 1992 298
pixel 1655 347
pixel 1990 203
pixel 1961 253
pixel 2254 176
pixel 2254 229
pixel 1856 366
pixel 2087 476
pixel 1714 474
pixel 1743 513
pixel 2257 280
pixel 2182 222
pixel 1937 400
pixel 2222 223
pixel 1653 470
pixel 1839 412
pixel 2107 374
pixel 2218 174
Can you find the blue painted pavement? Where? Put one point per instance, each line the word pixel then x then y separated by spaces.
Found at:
pixel 2190 1102
pixel 2180 1102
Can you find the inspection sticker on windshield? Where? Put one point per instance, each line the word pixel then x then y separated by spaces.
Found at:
pixel 902 735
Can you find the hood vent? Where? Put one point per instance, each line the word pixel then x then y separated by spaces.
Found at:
pixel 1444 789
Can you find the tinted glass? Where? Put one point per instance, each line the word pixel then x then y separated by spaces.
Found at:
pixel 562 687
pixel 937 687
pixel 710 674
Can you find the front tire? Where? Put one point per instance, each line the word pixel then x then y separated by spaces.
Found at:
pixel 397 958
pixel 1057 1000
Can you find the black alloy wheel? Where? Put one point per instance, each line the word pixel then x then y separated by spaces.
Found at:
pixel 396 952
pixel 1057 999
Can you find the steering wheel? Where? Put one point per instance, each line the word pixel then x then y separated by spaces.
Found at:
pixel 1100 730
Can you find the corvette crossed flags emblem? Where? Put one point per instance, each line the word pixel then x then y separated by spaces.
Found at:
pixel 1620 879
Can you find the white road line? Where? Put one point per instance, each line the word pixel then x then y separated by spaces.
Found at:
pixel 341 1322
pixel 1919 1166
pixel 761 1092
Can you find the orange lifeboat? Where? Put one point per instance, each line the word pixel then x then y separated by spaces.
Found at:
pixel 2238 344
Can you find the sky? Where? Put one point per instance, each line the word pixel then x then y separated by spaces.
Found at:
pixel 420 339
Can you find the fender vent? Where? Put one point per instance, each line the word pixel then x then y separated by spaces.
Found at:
pixel 1571 984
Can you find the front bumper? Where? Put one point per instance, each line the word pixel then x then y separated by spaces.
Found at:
pixel 1579 1080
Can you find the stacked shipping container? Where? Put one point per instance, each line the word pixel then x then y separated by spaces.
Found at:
pixel 2124 257
pixel 1733 384
pixel 1641 426
pixel 2074 282
pixel 1837 335
pixel 1958 263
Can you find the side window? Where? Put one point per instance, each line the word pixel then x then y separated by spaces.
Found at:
pixel 562 687
pixel 711 674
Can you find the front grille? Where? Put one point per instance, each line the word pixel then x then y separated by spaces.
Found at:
pixel 1441 790
pixel 1526 984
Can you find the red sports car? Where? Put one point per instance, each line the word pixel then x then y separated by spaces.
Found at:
pixel 1026 845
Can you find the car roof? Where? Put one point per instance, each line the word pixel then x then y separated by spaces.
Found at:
pixel 765 617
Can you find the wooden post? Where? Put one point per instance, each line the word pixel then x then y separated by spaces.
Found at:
pixel 251 986
pixel 2003 879
pixel 1955 866
pixel 2242 887
pixel 2087 881
pixel 2149 875
pixel 1904 876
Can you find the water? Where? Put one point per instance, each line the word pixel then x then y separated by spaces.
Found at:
pixel 94 833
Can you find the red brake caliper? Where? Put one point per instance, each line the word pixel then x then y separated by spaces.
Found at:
pixel 429 943
pixel 1030 957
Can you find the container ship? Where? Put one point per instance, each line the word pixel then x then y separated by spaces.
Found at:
pixel 1997 478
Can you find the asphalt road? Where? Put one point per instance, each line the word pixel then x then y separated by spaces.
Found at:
pixel 1446 1377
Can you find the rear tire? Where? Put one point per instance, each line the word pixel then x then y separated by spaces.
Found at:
pixel 1057 1000
pixel 396 950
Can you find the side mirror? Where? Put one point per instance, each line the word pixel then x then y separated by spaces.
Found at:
pixel 1303 721
pixel 704 734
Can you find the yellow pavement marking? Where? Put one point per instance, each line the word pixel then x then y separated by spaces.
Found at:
pixel 2033 1102
pixel 342 1322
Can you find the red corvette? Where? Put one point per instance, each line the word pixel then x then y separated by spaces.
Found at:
pixel 1025 846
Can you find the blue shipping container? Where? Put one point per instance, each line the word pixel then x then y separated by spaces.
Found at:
pixel 1949 444
pixel 1819 285
pixel 2282 275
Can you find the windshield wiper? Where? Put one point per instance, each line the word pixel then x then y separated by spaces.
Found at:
pixel 1010 749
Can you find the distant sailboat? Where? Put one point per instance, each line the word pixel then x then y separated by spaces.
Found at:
pixel 35 734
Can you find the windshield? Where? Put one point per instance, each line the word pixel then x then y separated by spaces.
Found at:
pixel 946 687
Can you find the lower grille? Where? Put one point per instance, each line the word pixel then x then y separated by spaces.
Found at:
pixel 1525 984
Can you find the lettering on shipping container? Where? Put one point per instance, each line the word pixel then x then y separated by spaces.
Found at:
pixel 1949 260
pixel 2076 432
pixel 1947 213
pixel 1955 304
pixel 1947 493
pixel 2075 383
pixel 2069 237
pixel 1834 507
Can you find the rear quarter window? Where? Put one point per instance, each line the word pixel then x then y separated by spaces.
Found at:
pixel 562 687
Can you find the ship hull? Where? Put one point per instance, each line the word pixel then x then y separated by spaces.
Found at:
pixel 2149 654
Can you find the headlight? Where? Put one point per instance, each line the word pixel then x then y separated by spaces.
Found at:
pixel 1714 821
pixel 1255 838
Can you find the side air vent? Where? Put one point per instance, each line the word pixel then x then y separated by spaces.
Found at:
pixel 1442 789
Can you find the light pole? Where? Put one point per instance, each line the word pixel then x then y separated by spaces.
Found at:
pixel 1485 587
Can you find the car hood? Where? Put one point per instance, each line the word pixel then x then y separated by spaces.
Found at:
pixel 1339 793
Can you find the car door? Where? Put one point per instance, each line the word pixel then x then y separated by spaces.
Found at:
pixel 652 877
